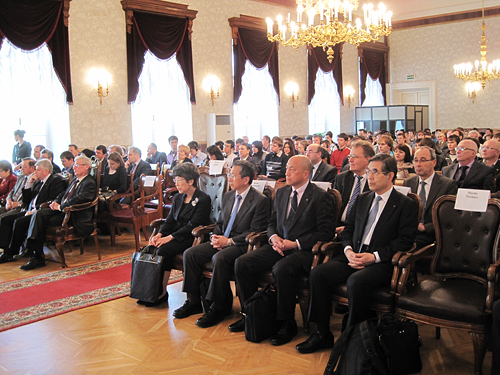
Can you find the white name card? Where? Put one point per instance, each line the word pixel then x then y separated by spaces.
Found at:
pixel 259 185
pixel 149 181
pixel 216 166
pixel 403 189
pixel 271 183
pixel 323 185
pixel 472 200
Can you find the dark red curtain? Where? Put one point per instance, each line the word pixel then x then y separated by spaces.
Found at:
pixel 372 63
pixel 318 59
pixel 163 36
pixel 254 46
pixel 29 23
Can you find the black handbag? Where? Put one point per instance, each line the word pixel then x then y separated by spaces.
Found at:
pixel 147 275
pixel 260 315
pixel 402 341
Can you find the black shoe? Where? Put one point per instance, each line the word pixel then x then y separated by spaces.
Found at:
pixel 238 326
pixel 139 302
pixel 32 264
pixel 159 302
pixel 188 309
pixel 210 318
pixel 340 309
pixel 285 334
pixel 316 341
pixel 23 253
pixel 4 258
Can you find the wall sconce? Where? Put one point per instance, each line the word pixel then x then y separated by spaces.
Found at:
pixel 349 93
pixel 292 90
pixel 211 84
pixel 103 78
pixel 472 88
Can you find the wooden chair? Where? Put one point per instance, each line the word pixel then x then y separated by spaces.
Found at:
pixel 383 298
pixel 303 292
pixel 138 216
pixel 465 269
pixel 66 232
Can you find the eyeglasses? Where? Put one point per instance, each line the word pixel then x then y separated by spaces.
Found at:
pixel 353 157
pixel 373 172
pixel 312 152
pixel 490 148
pixel 179 179
pixel 465 149
pixel 421 160
pixel 231 175
pixel 78 165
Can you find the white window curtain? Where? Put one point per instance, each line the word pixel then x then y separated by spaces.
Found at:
pixel 162 107
pixel 32 99
pixel 324 110
pixel 373 93
pixel 256 113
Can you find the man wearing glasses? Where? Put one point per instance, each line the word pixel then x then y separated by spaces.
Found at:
pixel 383 221
pixel 429 186
pixel 468 172
pixel 321 171
pixel 82 189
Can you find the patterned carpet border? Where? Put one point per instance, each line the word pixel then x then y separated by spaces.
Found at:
pixel 63 274
pixel 46 310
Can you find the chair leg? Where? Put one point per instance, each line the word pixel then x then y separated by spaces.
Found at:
pixel 438 333
pixel 60 251
pixel 479 342
pixel 304 308
pixel 112 232
pixel 81 246
pixel 97 247
pixel 137 238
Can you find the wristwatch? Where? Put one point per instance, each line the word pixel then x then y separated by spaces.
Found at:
pixel 230 242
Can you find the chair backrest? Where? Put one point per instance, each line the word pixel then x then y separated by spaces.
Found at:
pixel 270 193
pixel 149 190
pixel 337 201
pixel 214 186
pixel 466 242
pixel 417 199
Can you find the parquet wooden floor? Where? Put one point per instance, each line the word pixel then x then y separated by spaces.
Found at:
pixel 122 337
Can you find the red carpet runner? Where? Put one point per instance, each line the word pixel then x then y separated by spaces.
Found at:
pixel 31 299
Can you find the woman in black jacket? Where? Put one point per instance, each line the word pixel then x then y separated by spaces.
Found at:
pixel 190 208
pixel 115 176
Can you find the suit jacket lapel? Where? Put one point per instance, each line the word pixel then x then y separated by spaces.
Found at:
pixel 435 187
pixel 349 181
pixel 472 173
pixel 245 206
pixel 389 208
pixel 228 210
pixel 304 201
pixel 318 171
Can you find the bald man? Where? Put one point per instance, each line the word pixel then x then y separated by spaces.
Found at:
pixel 468 172
pixel 303 214
pixel 490 153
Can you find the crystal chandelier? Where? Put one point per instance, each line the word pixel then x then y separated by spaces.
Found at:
pixel 335 25
pixel 483 71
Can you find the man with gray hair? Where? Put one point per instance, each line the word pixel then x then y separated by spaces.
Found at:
pixel 83 189
pixel 136 166
pixel 42 187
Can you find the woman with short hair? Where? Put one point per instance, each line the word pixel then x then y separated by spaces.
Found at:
pixel 22 149
pixel 182 156
pixel 7 181
pixel 190 208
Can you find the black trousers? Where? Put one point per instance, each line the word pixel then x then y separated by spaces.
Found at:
pixel 6 229
pixel 360 284
pixel 169 250
pixel 38 225
pixel 219 291
pixel 495 340
pixel 286 271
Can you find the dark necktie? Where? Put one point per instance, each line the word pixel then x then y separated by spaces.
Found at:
pixel 423 199
pixel 227 232
pixel 72 190
pixel 354 195
pixel 460 181
pixel 36 191
pixel 371 220
pixel 291 215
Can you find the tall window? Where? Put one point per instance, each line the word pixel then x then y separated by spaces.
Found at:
pixel 32 98
pixel 324 89
pixel 373 76
pixel 256 79
pixel 162 106
pixel 160 72
pixel 373 93
pixel 256 112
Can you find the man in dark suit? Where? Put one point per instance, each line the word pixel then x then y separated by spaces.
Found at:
pixel 347 182
pixel 321 171
pixel 135 165
pixel 303 214
pixel 83 189
pixel 429 186
pixel 441 161
pixel 47 154
pixel 67 160
pixel 245 210
pixel 274 164
pixel 101 154
pixel 490 153
pixel 468 172
pixel 14 199
pixel 41 188
pixel 383 222
pixel 155 156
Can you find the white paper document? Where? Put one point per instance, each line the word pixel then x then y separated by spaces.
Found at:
pixel 472 200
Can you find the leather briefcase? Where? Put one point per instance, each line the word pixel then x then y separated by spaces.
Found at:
pixel 260 315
